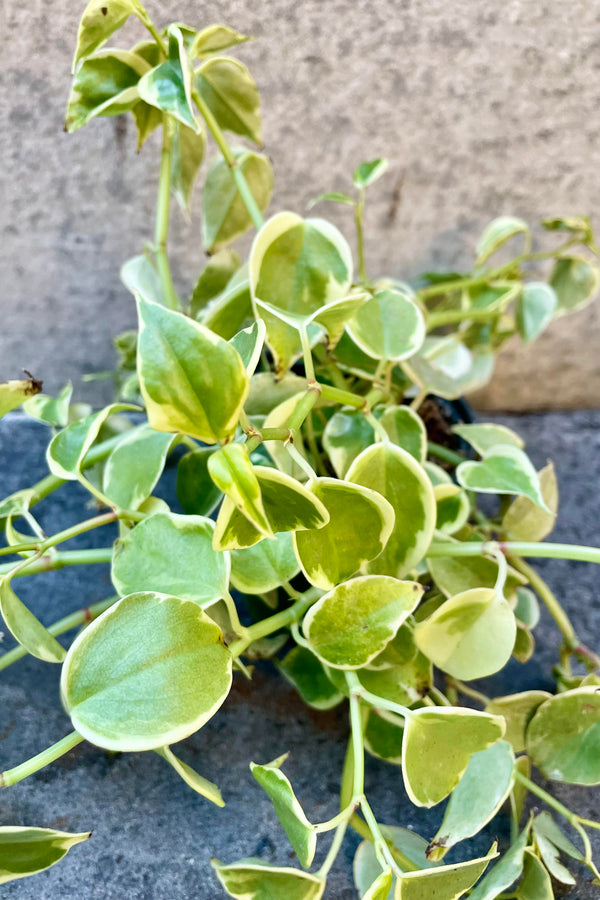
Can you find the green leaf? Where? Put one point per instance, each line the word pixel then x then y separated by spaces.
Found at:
pixel 169 86
pixel 233 473
pixel 331 197
pixel 100 19
pixel 297 266
pixel 346 435
pixel 369 172
pixel 254 879
pixel 263 567
pixel 550 840
pixel 575 281
pixel 504 873
pixel 505 470
pixel 26 628
pixel 301 833
pixel 147 119
pixel 534 310
pixel 213 279
pixel 579 225
pixel 27 851
pixel 187 153
pixel 406 429
pixel 380 888
pixel 453 508
pixel 334 316
pixel 497 233
pixel 197 783
pixel 536 884
pixel 230 311
pixel 563 737
pixel 477 798
pixel 133 468
pixel 351 624
pixel 105 85
pixel 126 679
pixel 437 747
pixel 192 381
pixel 67 450
pixel 52 410
pixel 288 506
pixel 366 866
pixel 139 275
pixel 389 326
pixel 216 38
pixel 398 477
pixel 171 554
pixel 472 635
pixel 383 735
pixel 306 673
pixel 360 523
pixel 524 520
pixel 517 710
pixel 454 575
pixel 230 93
pixel 249 343
pixel 550 858
pixel 405 682
pixel 443 882
pixel 225 214
pixel 13 393
pixel 527 609
pixel 196 491
pixel 444 366
pixel 485 438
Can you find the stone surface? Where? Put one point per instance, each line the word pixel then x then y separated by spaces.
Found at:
pixel 153 837
pixel 482 109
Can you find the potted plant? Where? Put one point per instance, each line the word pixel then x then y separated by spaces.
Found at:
pixel 345 544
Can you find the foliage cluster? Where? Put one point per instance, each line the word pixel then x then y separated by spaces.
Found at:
pixel 323 528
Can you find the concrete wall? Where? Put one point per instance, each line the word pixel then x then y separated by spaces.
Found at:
pixel 483 108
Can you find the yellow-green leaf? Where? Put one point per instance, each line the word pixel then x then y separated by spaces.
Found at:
pixel 27 851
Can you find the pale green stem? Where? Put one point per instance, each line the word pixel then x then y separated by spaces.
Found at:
pixel 303 408
pixel 418 400
pixel 276 622
pixel 81 617
pixel 454 316
pixel 334 849
pixel 232 163
pixel 302 463
pixel 237 626
pixel 359 209
pixel 330 824
pixel 25 769
pixel 548 599
pixel 517 548
pixel 309 367
pixel 444 453
pixel 467 690
pixel 377 427
pixel 67 534
pixel 267 434
pixel 163 207
pixel 59 561
pixel 337 395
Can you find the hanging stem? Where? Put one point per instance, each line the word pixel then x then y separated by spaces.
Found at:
pixel 232 163
pixel 549 600
pixel 58 561
pixel 163 208
pixel 27 768
pixel 517 548
pixel 276 622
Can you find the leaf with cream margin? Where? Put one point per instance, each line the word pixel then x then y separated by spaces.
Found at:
pixel 351 624
pixel 471 635
pixel 518 710
pixel 563 737
pixel 398 477
pixel 301 833
pixel 233 473
pixel 225 214
pixel 306 673
pixel 100 20
pixel 483 438
pixel 360 523
pixel 169 86
pixel 504 873
pixel 254 879
pixel 126 679
pixel 249 343
pixel 135 465
pixel 388 326
pixel 197 783
pixel 453 508
pixel 26 628
pixel 406 429
pixel 535 309
pixel 576 281
pixel 504 470
pixel 192 381
pixel 438 745
pixel 229 91
pixel 444 882
pixel 524 520
pixel 67 450
pixel 497 233
pixel 263 567
pixel 27 851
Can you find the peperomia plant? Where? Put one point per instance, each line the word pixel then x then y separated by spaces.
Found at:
pixel 347 545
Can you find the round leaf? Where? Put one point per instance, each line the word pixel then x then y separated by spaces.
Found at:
pixel 306 673
pixel 346 435
pixel 563 737
pixel 351 624
pixel 263 567
pixel 497 233
pixel 518 710
pixel 133 468
pixel 174 555
pixel 389 326
pixel 150 671
pixel 524 520
pixel 406 429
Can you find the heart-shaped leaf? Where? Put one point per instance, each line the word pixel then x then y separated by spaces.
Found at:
pixel 518 710
pixel 575 281
pixel 192 381
pixel 254 879
pixel 233 473
pixel 27 851
pixel 126 678
pixel 306 673
pixel 346 435
pixel 389 326
pixel 67 450
pixel 398 477
pixel 171 554
pixel 213 280
pixel 505 470
pixel 51 410
pixel 367 868
pixel 225 214
pixel 105 85
pixel 249 343
pixel 169 86
pixel 383 736
pixel 469 636
pixel 453 508
pixel 229 91
pixel 263 567
pixel 535 308
pixel 497 233
pixel 477 798
pixel 454 575
pixel 216 38
pixel 187 153
pixel 26 628
pixel 197 783
pixel 301 833
pixel 351 624
pixel 524 520
pixel 288 507
pixel 406 429
pixel 360 523
pixel 536 884
pixel 563 737
pixel 484 438
pixel 139 276
pixel 444 366
pixel 369 172
pixel 445 882
pixel 133 468
pixel 437 747
pixel 100 20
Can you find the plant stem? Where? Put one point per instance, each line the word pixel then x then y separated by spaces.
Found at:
pixel 161 234
pixel 232 163
pixel 334 849
pixel 59 561
pixel 81 617
pixel 65 535
pixel 359 209
pixel 27 768
pixel 303 407
pixel 517 548
pixel 276 622
pixel 337 395
pixel 549 600
pixel 444 453
pixel 452 316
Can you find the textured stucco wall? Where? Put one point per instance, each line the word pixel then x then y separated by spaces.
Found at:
pixel 482 108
